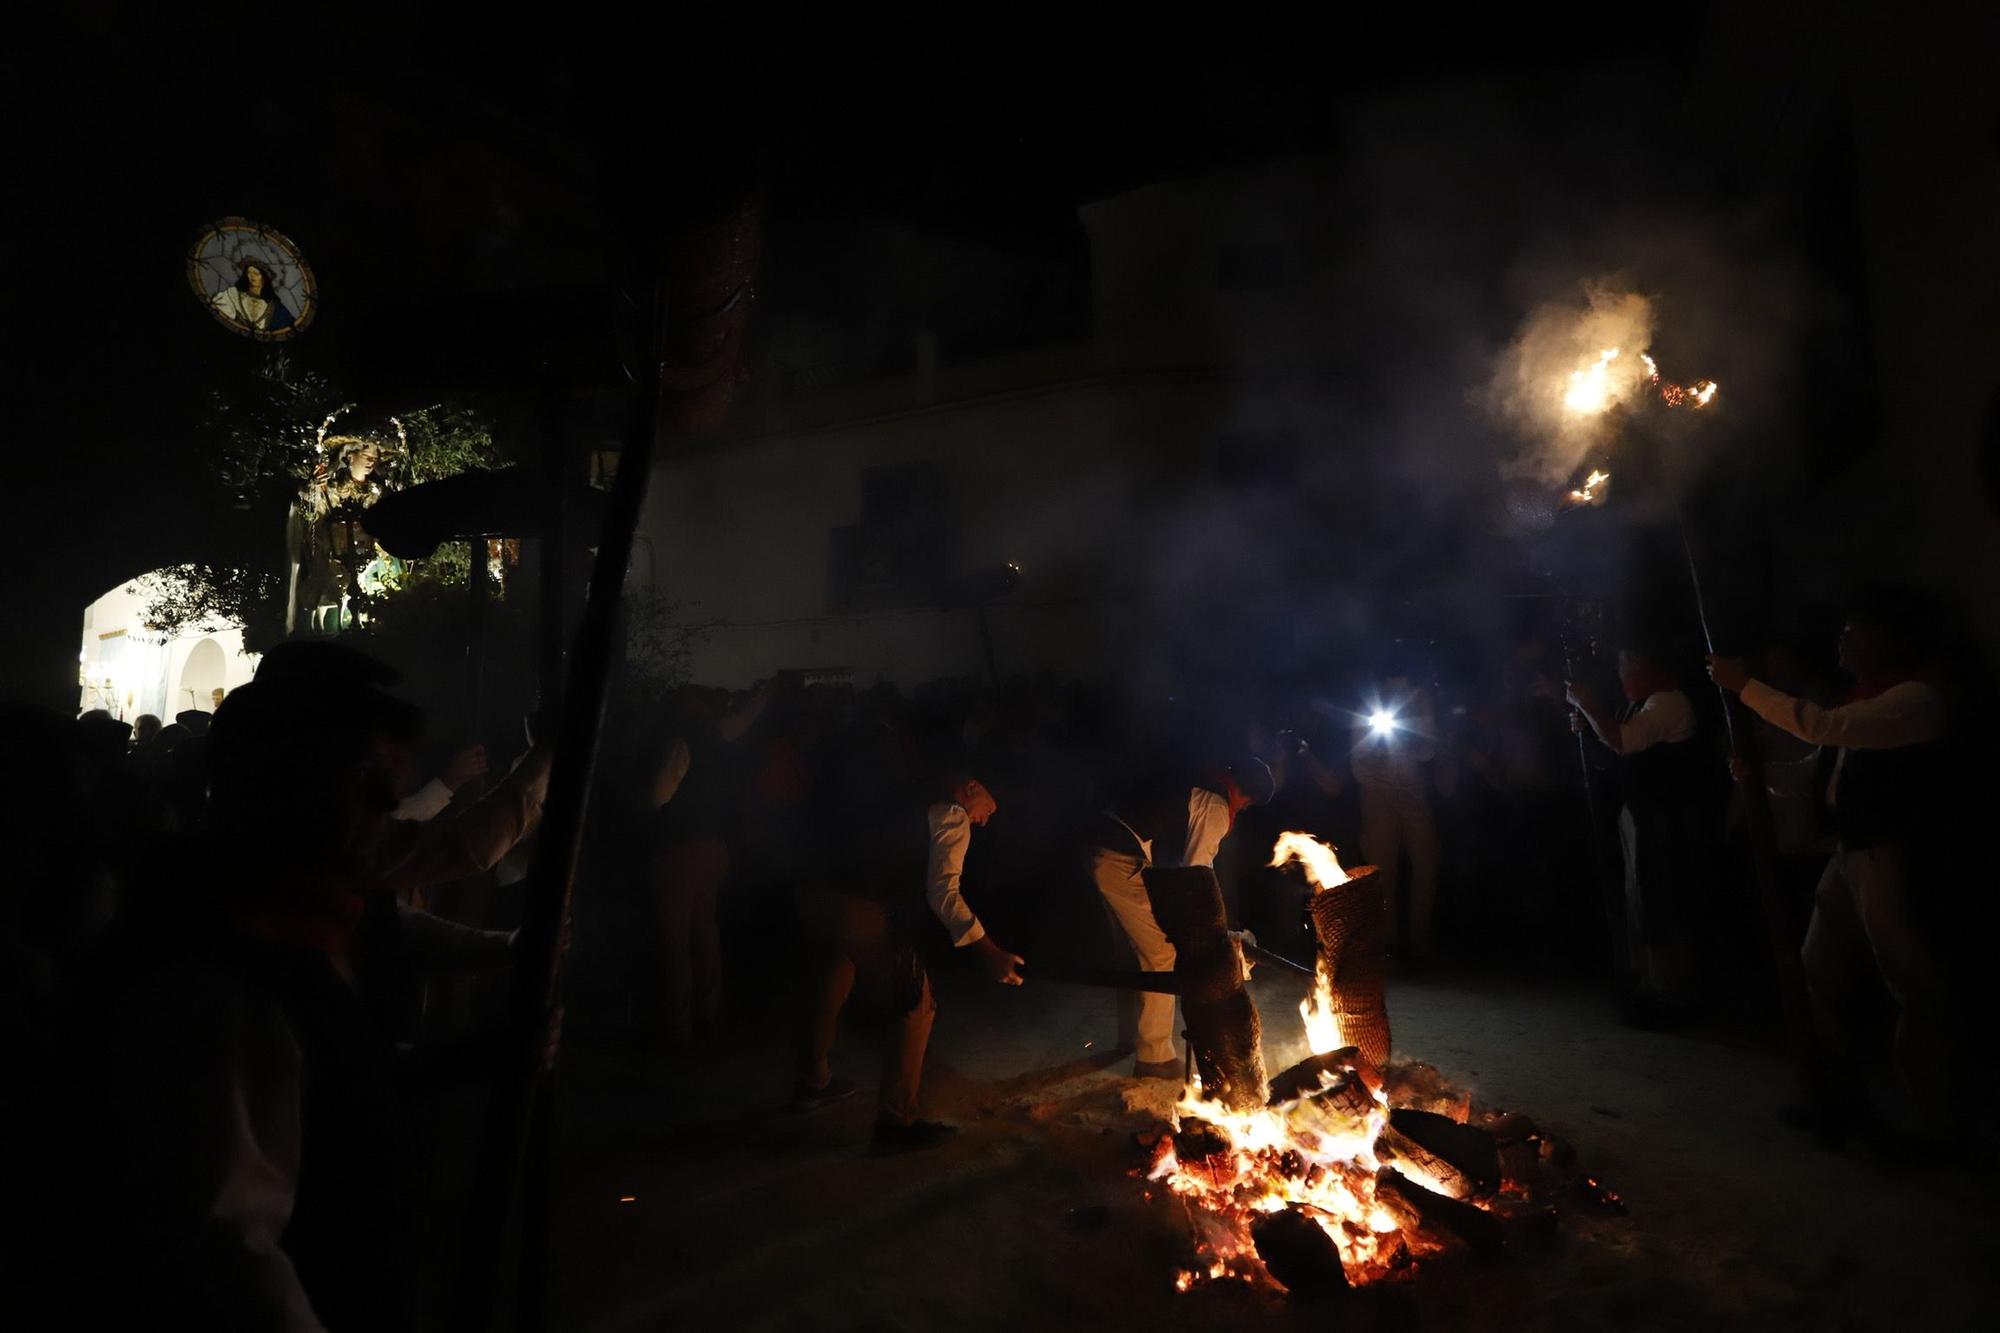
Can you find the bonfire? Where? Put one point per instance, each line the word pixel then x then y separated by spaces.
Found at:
pixel 1350 1171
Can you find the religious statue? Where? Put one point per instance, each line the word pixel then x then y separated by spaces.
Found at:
pixel 331 558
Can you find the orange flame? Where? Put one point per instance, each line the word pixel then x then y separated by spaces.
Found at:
pixel 1316 1154
pixel 1694 396
pixel 1591 389
pixel 1322 866
pixel 1587 493
pixel 1323 872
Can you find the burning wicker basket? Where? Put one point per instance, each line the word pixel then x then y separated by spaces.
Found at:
pixel 1351 921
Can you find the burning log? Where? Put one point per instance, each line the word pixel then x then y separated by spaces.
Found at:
pixel 1482 1230
pixel 1351 923
pixel 1414 1162
pixel 1222 1023
pixel 1318 1073
pixel 1469 1148
pixel 1299 1253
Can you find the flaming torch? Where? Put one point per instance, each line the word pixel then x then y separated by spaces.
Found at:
pixel 1581 399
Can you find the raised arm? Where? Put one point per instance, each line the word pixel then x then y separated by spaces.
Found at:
pixel 1908 714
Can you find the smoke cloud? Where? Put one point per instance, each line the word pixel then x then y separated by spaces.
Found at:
pixel 1557 382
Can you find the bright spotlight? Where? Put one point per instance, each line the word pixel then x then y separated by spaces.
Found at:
pixel 1382 723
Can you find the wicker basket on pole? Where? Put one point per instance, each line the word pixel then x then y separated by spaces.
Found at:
pixel 1351 921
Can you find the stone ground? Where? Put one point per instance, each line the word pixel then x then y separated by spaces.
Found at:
pixel 741 1218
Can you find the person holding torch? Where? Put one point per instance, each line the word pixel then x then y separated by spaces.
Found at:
pixel 1875 776
pixel 1658 826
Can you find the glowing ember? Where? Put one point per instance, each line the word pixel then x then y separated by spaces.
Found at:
pixel 1588 492
pixel 1314 1156
pixel 1591 389
pixel 1697 395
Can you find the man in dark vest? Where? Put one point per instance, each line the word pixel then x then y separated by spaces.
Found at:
pixel 904 861
pixel 1659 829
pixel 1875 776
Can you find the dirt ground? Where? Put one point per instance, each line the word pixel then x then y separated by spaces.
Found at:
pixel 1032 1218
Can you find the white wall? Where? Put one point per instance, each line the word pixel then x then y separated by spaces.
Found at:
pixel 1048 481
pixel 145 670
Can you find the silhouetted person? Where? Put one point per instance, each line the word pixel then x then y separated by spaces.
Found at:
pixel 1659 830
pixel 1391 748
pixel 253 1133
pixel 696 793
pixel 874 928
pixel 1876 776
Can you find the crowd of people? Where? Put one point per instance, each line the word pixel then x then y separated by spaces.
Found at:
pixel 220 944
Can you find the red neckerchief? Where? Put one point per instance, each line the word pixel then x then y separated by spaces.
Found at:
pixel 1876 685
pixel 1224 784
pixel 323 919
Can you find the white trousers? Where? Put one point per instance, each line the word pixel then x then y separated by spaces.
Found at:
pixel 1861 924
pixel 1116 874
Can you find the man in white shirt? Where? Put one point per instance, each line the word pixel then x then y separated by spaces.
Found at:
pixel 1878 753
pixel 1391 747
pixel 1186 830
pixel 875 935
pixel 1658 831
pixel 434 797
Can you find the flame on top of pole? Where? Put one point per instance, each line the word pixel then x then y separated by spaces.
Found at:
pixel 1591 389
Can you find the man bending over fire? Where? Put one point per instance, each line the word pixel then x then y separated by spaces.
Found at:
pixel 1182 825
pixel 874 927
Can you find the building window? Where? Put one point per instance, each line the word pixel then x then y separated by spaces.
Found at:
pixel 893 556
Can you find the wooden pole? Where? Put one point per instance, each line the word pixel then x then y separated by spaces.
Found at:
pixel 1610 894
pixel 538 1188
pixel 544 935
pixel 1786 962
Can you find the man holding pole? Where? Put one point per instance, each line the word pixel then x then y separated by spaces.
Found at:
pixel 1874 776
pixel 1658 827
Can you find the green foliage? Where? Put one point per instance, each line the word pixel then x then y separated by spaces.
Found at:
pixel 443 441
pixel 210 596
pixel 265 433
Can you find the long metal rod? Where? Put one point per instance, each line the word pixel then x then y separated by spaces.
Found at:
pixel 1160 983
pixel 544 935
pixel 1609 901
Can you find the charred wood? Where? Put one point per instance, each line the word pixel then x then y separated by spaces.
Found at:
pixel 1481 1230
pixel 1299 1253
pixel 1467 1147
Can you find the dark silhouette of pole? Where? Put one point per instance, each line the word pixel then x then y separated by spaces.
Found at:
pixel 513 1121
pixel 1786 964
